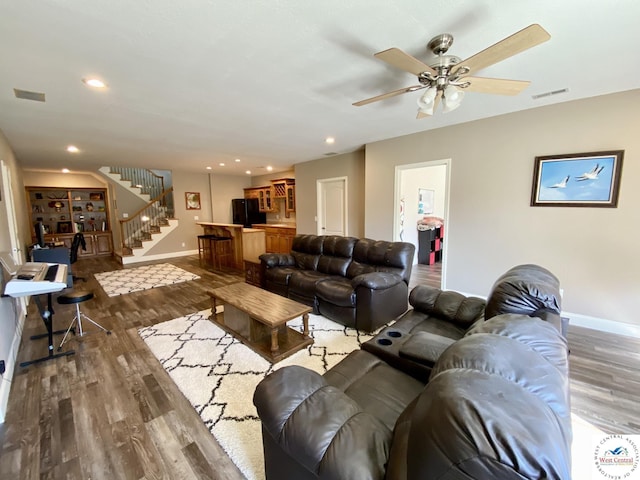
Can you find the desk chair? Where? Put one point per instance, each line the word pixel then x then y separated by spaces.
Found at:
pixel 78 239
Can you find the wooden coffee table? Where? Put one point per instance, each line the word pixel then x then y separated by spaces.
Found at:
pixel 258 319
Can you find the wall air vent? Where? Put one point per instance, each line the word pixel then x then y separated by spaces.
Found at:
pixel 549 94
pixel 27 95
pixel 330 154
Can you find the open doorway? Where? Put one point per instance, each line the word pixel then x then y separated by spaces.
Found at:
pixel 421 199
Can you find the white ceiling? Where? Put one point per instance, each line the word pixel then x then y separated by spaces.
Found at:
pixel 193 83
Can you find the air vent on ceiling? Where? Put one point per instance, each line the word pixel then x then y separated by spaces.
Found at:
pixel 548 94
pixel 329 154
pixel 27 95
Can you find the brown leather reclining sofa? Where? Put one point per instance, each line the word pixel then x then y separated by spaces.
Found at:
pixel 495 404
pixel 360 283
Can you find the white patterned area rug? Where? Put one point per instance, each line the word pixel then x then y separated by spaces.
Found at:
pixel 218 375
pixel 128 280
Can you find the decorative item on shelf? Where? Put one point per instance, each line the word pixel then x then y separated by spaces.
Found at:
pixel 192 200
pixel 76 208
pixel 89 207
pixel 577 179
pixel 77 198
pixel 57 205
pixel 38 196
pixel 92 224
pixel 96 196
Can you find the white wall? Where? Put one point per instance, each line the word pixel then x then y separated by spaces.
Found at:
pixel 491 226
pixel 11 315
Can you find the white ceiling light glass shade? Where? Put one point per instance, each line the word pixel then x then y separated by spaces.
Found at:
pixel 451 98
pixel 426 101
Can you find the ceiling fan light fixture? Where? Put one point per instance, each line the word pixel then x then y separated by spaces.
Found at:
pixel 426 101
pixel 451 98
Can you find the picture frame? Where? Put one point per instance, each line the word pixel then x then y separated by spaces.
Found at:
pixel 589 179
pixel 192 200
pixel 425 201
pixel 64 227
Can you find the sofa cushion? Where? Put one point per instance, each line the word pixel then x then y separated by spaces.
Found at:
pixel 381 256
pixel 525 289
pixel 279 275
pixel 337 291
pixel 447 305
pixel 306 250
pixel 304 281
pixel 336 254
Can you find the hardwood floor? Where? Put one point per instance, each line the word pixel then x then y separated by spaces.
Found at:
pixel 111 412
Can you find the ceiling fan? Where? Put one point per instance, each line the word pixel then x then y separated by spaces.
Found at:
pixel 447 77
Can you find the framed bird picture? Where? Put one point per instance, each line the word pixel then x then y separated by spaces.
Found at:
pixel 577 180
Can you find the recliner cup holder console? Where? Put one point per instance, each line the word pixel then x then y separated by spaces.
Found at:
pixel 394 333
pixel 384 341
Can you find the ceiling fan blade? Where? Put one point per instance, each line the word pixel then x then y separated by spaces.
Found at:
pixel 389 95
pixel 518 42
pixel 497 86
pixel 404 61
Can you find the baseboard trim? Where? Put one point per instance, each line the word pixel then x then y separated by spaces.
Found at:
pixel 603 325
pixel 127 260
pixel 594 323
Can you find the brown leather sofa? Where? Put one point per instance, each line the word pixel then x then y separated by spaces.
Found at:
pixel 360 283
pixel 496 404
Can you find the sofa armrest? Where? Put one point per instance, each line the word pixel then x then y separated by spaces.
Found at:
pixel 271 260
pixel 376 280
pixel 320 427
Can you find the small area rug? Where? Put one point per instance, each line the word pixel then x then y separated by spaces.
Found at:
pixel 128 280
pixel 218 375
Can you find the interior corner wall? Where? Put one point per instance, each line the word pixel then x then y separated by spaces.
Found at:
pixel 225 188
pixel 350 165
pixel 491 225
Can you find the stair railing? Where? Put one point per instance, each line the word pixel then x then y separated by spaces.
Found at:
pixel 148 182
pixel 141 225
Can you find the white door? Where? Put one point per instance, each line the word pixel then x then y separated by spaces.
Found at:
pixel 332 206
pixel 12 226
pixel 6 193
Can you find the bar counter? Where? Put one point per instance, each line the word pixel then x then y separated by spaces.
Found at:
pixel 247 243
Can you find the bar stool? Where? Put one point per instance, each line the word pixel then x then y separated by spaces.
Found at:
pixel 76 297
pixel 222 251
pixel 204 249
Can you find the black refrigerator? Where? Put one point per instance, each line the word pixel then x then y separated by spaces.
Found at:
pixel 247 212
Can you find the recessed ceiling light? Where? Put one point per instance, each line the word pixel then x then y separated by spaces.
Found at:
pixel 237 160
pixel 248 172
pixel 221 164
pixel 72 149
pixel 208 168
pixel 330 140
pixel 269 168
pixel 65 170
pixel 94 82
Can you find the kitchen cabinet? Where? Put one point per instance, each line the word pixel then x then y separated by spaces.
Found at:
pixel 278 238
pixel 269 196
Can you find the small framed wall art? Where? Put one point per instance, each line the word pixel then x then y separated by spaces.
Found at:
pixel 192 200
pixel 577 180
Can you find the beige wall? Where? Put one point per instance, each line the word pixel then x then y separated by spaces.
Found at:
pixel 350 165
pixel 225 188
pixel 491 226
pixel 187 231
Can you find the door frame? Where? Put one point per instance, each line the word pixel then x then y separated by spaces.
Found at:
pixel 397 195
pixel 320 185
